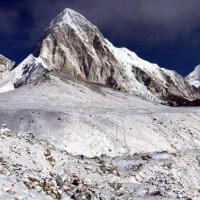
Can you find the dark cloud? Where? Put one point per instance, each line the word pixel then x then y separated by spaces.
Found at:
pixel 152 21
pixel 160 20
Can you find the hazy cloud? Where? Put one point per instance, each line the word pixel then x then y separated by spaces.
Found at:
pixel 153 21
pixel 8 21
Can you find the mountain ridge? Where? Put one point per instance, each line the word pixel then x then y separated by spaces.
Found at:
pixel 74 46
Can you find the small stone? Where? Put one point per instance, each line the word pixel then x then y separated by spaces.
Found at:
pixel 75 182
pixel 66 189
pixel 38 188
pixel 59 181
pixel 33 179
pixel 50 158
pixel 53 183
pixel 60 192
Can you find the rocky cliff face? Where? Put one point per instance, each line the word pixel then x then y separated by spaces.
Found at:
pixel 166 85
pixel 76 48
pixel 176 91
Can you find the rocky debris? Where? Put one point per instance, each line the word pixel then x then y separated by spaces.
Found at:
pixel 115 185
pixel 58 187
pixel 134 167
pixel 49 156
pixel 146 157
pixel 109 169
pixel 156 175
pixel 4 130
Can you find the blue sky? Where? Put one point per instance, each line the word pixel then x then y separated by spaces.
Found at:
pixel 164 32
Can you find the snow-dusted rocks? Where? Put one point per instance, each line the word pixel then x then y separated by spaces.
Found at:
pixel 194 77
pixel 164 84
pixel 26 72
pixel 29 70
pixel 5 75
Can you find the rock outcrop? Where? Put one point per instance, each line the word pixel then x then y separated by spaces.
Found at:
pixel 5 73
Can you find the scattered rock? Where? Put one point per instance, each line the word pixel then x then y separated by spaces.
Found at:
pixel 60 182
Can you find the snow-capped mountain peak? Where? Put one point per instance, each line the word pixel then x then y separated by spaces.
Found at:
pixel 71 18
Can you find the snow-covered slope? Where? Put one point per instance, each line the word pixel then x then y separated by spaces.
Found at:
pixel 194 77
pixel 67 139
pixel 75 47
pixel 77 112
